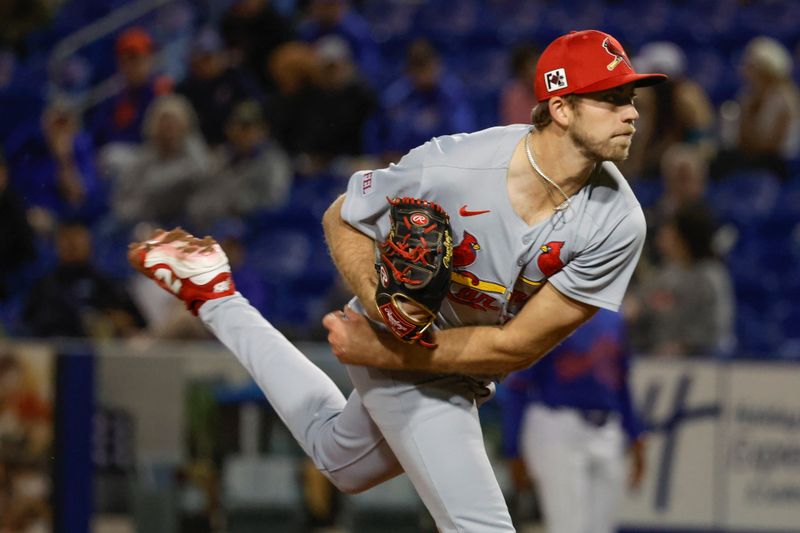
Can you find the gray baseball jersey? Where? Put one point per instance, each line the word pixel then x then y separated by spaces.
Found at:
pixel 587 251
pixel 428 425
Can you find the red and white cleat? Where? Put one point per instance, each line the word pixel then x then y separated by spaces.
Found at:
pixel 195 270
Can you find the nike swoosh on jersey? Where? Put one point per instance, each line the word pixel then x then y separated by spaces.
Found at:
pixel 464 212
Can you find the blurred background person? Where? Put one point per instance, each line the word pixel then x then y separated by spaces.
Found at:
pixel 251 172
pixel 17 244
pixel 252 30
pixel 120 118
pixel 75 299
pixel 517 98
pixel 424 103
pixel 18 18
pixel 768 129
pixel 684 177
pixel 685 305
pixel 155 181
pixel 338 18
pixel 324 117
pixel 214 86
pixel 297 71
pixel 676 111
pixel 53 168
pixel 684 183
pixel 569 421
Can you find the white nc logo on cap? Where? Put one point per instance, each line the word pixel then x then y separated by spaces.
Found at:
pixel 555 79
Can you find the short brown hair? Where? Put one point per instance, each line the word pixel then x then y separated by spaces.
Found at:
pixel 540 114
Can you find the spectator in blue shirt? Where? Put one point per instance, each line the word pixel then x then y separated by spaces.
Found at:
pixel 252 30
pixel 214 86
pixel 336 17
pixel 53 169
pixel 424 103
pixel 324 105
pixel 76 299
pixel 568 417
pixel 120 118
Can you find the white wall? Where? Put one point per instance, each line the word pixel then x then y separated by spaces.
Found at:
pixel 725 450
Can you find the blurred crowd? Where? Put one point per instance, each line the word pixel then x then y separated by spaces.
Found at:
pixel 250 125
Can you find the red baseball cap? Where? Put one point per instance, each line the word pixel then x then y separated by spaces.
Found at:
pixel 583 62
pixel 134 42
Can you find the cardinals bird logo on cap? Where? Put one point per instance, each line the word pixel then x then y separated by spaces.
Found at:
pixel 619 54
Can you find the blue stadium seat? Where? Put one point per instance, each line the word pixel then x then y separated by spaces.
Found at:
pixel 391 20
pixel 647 191
pixel 514 21
pixel 713 71
pixel 446 22
pixel 745 198
pixel 110 244
pixel 22 105
pixel 790 349
pixel 777 19
pixel 758 335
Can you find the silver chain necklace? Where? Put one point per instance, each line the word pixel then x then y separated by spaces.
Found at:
pixel 563 205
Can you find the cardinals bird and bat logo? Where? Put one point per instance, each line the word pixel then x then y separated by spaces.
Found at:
pixel 617 52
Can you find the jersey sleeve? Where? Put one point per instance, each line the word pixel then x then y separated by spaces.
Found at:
pixel 599 275
pixel 365 205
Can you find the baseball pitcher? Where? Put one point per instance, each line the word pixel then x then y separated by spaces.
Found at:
pixel 535 228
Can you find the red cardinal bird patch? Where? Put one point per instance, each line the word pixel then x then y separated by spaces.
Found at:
pixel 465 253
pixel 549 261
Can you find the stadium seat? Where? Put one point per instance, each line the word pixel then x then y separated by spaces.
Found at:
pixel 746 197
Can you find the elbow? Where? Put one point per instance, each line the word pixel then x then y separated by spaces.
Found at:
pixel 521 362
pixel 526 361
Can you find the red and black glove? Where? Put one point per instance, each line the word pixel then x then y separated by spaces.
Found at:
pixel 414 267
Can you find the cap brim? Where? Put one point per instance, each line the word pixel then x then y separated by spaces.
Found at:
pixel 639 80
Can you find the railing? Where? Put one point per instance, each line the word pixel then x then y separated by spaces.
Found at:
pixel 91 33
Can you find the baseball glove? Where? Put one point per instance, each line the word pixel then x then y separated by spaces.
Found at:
pixel 414 268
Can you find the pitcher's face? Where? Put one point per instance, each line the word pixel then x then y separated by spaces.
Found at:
pixel 602 126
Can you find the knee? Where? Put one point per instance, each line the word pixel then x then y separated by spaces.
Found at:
pixel 349 484
pixel 355 480
pixel 355 489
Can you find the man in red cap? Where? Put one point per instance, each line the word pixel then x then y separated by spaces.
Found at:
pixel 556 232
pixel 120 118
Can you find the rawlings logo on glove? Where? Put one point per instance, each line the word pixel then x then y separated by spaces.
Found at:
pixel 414 268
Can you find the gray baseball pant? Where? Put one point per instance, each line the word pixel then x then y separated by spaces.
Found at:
pixel 426 425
